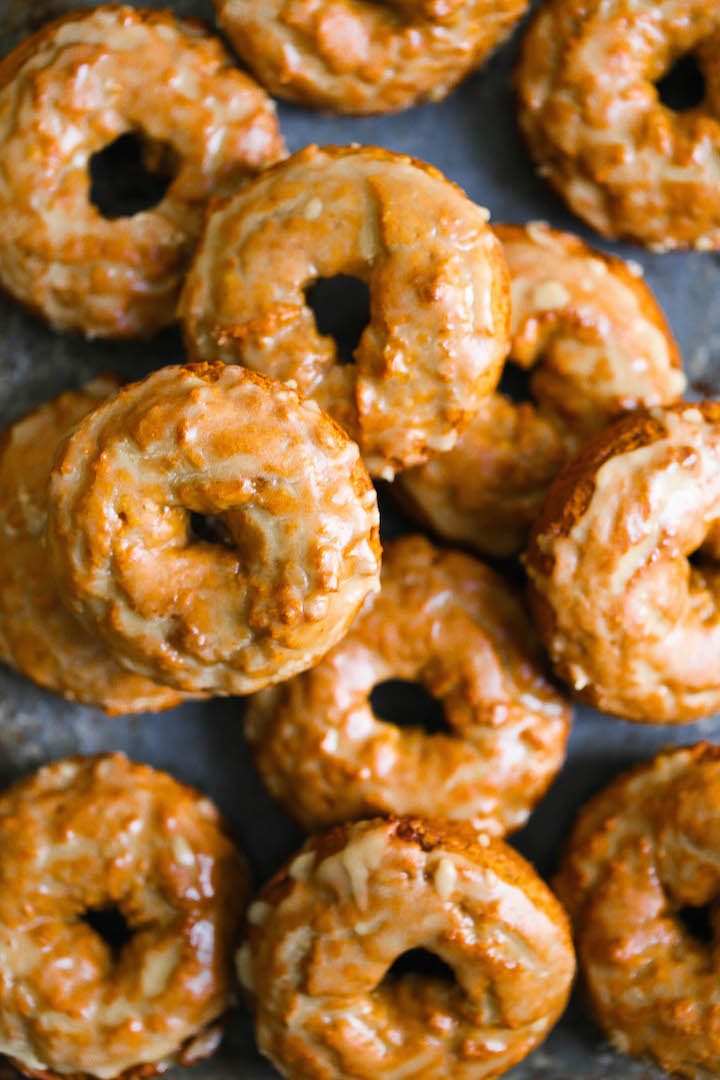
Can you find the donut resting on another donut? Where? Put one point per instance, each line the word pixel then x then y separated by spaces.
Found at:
pixel 631 622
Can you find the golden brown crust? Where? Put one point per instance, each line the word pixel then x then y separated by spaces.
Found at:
pixel 597 343
pixel 591 114
pixel 38 635
pixel 326 928
pixel 450 623
pixel 302 550
pixel 87 834
pixel 627 621
pixel 358 57
pixel 640 852
pixel 439 326
pixel 81 87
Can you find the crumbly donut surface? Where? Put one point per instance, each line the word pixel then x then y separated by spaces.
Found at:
pixel 593 120
pixel 326 928
pixel 641 851
pixel 38 635
pixel 355 56
pixel 594 342
pixel 439 295
pixel 88 834
pixel 71 90
pixel 630 623
pixel 301 550
pixel 447 621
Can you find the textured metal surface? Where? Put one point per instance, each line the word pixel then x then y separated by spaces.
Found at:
pixel 472 138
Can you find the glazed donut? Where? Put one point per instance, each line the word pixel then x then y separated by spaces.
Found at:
pixel 629 622
pixel 641 851
pixel 596 342
pixel 87 835
pixel 328 926
pixel 356 56
pixel 300 551
pixel 71 90
pixel 593 120
pixel 38 635
pixel 439 298
pixel 450 623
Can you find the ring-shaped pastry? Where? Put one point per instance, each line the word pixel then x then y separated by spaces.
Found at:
pixel 297 551
pixel 327 927
pixel 70 91
pixel 450 623
pixel 643 852
pixel 86 836
pixel 631 622
pixel 439 295
pixel 592 116
pixel 355 56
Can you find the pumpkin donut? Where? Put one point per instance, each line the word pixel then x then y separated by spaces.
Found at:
pixel 299 550
pixel 640 852
pixel 439 298
pixel 71 90
pixel 87 836
pixel 327 927
pixel 630 623
pixel 450 623
pixel 38 635
pixel 596 342
pixel 356 56
pixel 593 120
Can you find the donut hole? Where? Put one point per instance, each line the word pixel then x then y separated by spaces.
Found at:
pixel 110 924
pixel 697 921
pixel 683 87
pixel 208 529
pixel 515 383
pixel 420 962
pixel 341 307
pixel 130 175
pixel 408 704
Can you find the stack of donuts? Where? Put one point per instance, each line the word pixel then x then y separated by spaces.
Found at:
pixel 213 530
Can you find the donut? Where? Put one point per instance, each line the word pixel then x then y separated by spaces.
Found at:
pixel 358 56
pixel 38 635
pixel 642 851
pixel 450 623
pixel 596 342
pixel 327 927
pixel 101 834
pixel 630 623
pixel 439 297
pixel 67 93
pixel 593 120
pixel 298 551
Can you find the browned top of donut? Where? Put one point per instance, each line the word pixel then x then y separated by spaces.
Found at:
pixel 301 550
pixel 628 621
pixel 439 295
pixel 590 110
pixel 327 927
pixel 70 91
pixel 358 56
pixel 88 834
pixel 642 850
pixel 446 621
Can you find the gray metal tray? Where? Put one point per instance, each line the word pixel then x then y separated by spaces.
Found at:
pixel 472 137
